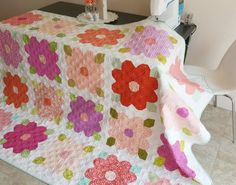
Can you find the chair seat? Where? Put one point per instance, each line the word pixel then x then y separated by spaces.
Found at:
pixel 218 83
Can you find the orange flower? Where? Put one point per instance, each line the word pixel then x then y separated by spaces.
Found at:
pixel 15 90
pixel 101 37
pixel 24 19
pixel 89 1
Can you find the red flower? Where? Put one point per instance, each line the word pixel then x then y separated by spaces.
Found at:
pixel 25 137
pixel 135 85
pixel 15 90
pixel 110 171
pixel 100 37
pixel 24 19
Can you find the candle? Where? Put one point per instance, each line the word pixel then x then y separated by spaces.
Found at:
pixel 102 9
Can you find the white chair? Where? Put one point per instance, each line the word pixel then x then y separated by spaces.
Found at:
pixel 221 81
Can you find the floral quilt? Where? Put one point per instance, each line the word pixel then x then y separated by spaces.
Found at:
pixel 98 104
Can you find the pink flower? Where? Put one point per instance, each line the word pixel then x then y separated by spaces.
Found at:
pixel 177 115
pixel 129 133
pixel 47 102
pixel 56 27
pixel 150 41
pixel 42 58
pixel 175 159
pixel 83 70
pixel 62 155
pixel 25 137
pixel 191 87
pixel 5 118
pixel 9 49
pixel 110 171
pixel 24 19
pixel 160 182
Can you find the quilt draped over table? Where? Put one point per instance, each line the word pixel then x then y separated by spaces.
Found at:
pixel 98 104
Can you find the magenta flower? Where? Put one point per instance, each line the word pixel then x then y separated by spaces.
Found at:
pixel 25 137
pixel 5 118
pixel 174 158
pixel 42 58
pixel 151 42
pixel 9 49
pixel 84 116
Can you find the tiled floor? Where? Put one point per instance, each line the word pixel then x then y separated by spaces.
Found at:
pixel 218 157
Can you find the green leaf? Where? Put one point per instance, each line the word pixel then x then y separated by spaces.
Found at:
pixel 49 132
pixel 111 141
pixel 72 97
pixel 159 161
pixel 142 154
pixel 182 146
pixel 187 132
pixel 61 137
pixel 69 126
pixel 100 92
pixel 71 82
pixel 26 39
pixel 57 120
pixel 58 79
pixel 39 160
pixel 99 58
pixel 32 70
pixel 34 28
pixel 61 35
pixel 56 19
pixel 25 122
pixel 67 50
pixel 113 113
pixel 88 149
pixel 99 107
pixel 25 153
pixel 53 46
pixel 2 141
pixel 139 29
pixel 97 136
pixel 124 50
pixel 149 123
pixel 68 174
pixel 162 58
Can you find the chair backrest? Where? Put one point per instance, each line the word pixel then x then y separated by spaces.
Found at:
pixel 228 63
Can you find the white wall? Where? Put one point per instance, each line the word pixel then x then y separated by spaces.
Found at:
pixel 216 21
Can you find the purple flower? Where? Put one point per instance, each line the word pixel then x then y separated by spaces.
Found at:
pixel 42 58
pixel 151 42
pixel 84 116
pixel 174 158
pixel 9 49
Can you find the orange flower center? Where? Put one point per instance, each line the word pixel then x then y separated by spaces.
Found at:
pixel 101 36
pixel 84 117
pixel 7 49
pixel 84 71
pixel 110 175
pixel 25 137
pixel 47 102
pixel 134 86
pixel 15 90
pixel 150 41
pixel 42 59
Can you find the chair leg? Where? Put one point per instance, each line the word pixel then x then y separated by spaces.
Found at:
pixel 215 101
pixel 233 116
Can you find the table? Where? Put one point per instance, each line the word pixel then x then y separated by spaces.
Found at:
pixel 73 10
